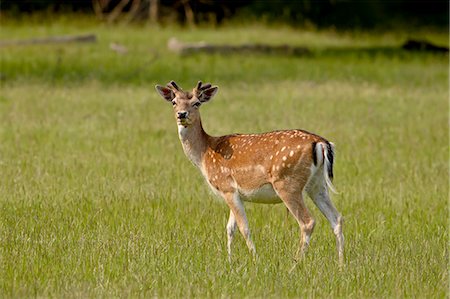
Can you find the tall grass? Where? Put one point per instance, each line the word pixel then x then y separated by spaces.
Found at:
pixel 97 198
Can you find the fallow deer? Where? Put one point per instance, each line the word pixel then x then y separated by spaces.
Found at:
pixel 270 167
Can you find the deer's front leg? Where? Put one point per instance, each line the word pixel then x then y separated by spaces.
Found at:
pixel 231 228
pixel 237 209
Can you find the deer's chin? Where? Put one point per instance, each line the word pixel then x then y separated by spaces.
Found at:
pixel 184 122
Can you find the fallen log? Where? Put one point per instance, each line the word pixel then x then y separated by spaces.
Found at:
pixel 201 47
pixel 423 45
pixel 86 38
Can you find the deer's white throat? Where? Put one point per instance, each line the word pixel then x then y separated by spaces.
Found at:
pixel 182 132
pixel 192 140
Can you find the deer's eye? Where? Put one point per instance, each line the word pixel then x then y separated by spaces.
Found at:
pixel 196 104
pixel 174 103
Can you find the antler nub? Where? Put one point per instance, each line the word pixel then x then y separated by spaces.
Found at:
pixel 200 88
pixel 174 85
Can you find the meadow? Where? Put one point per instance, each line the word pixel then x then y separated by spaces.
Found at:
pixel 98 200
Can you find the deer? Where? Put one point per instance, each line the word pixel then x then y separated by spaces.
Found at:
pixel 273 167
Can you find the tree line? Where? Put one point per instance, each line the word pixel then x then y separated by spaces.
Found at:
pixel 320 13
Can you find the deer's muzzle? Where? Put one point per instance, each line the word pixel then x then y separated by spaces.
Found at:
pixel 182 115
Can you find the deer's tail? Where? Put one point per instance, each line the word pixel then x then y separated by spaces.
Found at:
pixel 324 153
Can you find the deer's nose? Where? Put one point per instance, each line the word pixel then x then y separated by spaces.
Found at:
pixel 182 114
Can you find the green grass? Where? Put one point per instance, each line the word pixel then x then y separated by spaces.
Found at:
pixel 98 200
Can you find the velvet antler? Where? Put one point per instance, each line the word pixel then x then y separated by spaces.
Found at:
pixel 200 88
pixel 172 85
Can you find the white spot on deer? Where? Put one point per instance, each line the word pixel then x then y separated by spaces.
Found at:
pixel 289 165
pixel 284 158
pixel 291 153
pixel 284 165
pixel 261 168
pixel 276 154
pixel 283 148
pixel 298 146
pixel 271 157
pixel 214 160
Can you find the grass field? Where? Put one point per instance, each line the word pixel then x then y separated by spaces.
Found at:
pixel 98 200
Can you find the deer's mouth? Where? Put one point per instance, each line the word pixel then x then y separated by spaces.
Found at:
pixel 184 122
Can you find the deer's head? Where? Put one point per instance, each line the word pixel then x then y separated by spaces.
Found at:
pixel 186 104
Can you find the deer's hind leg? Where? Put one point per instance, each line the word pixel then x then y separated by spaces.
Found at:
pixel 321 198
pixel 292 197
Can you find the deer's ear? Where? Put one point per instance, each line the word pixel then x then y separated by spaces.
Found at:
pixel 208 94
pixel 165 92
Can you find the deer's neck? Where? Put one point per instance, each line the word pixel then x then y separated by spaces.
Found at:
pixel 195 142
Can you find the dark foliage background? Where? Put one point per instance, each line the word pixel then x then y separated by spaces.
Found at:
pixel 321 13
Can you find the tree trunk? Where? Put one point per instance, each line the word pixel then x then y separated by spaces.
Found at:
pixel 190 20
pixel 115 13
pixel 153 11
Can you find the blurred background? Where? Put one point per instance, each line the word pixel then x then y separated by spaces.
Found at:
pixel 323 13
pixel 97 198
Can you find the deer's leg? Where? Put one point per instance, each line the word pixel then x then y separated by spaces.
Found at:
pixel 321 198
pixel 293 199
pixel 237 209
pixel 231 228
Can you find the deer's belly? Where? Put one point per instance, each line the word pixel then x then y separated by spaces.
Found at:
pixel 264 194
